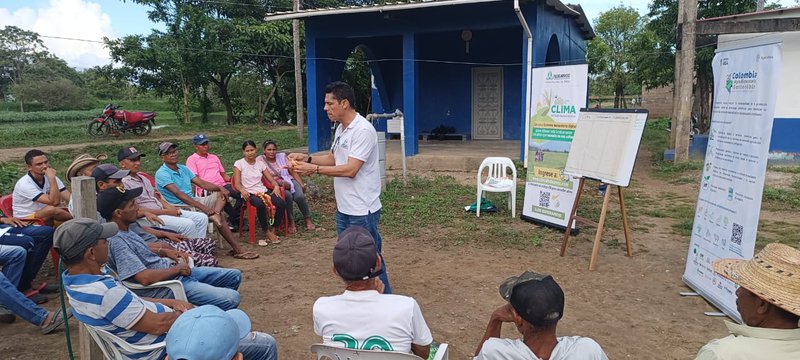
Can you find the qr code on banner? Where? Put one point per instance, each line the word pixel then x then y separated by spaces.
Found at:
pixel 736 235
pixel 544 199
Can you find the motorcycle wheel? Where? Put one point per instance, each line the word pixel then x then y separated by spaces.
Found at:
pixel 98 129
pixel 142 129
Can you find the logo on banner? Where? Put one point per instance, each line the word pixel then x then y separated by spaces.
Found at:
pixel 557 76
pixel 741 81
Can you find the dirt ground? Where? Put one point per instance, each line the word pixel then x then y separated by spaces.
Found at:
pixel 631 306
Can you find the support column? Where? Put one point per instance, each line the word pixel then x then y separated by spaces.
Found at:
pixel 317 136
pixel 410 93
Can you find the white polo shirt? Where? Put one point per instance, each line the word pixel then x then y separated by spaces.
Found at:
pixel 369 320
pixel 360 195
pixel 27 191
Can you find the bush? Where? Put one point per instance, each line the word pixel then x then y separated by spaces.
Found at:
pixel 40 116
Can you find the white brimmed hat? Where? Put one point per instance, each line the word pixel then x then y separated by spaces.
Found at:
pixel 773 275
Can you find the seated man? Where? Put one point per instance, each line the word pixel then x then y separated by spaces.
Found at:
pixel 174 182
pixel 39 193
pixel 189 223
pixel 363 312
pixel 203 250
pixel 36 240
pixel 535 305
pixel 12 259
pixel 206 332
pixel 84 164
pixel 134 259
pixel 768 299
pixel 208 167
pixel 83 247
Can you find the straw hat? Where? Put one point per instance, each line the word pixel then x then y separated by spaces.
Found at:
pixel 773 275
pixel 82 161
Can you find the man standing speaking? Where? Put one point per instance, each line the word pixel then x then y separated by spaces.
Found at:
pixel 353 164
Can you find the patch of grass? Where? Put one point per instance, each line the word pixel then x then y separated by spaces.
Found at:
pixel 785 169
pixel 782 198
pixel 683 227
pixel 777 231
pixel 668 170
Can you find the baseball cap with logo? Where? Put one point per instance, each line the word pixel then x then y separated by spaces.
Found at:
pixel 130 153
pixel 110 199
pixel 164 147
pixel 199 139
pixel 207 333
pixel 104 172
pixel 536 297
pixel 73 237
pixel 355 255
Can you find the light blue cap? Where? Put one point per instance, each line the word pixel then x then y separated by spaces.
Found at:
pixel 207 333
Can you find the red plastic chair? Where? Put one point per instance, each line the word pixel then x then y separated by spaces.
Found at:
pixel 148 177
pixel 250 210
pixel 7 207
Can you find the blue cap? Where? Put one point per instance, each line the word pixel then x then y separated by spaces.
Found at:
pixel 207 333
pixel 199 139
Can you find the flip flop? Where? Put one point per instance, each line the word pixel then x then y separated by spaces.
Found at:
pixel 36 297
pixel 263 243
pixel 247 255
pixel 57 320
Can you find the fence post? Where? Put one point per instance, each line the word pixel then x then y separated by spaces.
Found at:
pixel 84 205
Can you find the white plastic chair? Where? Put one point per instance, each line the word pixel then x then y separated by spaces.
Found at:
pixel 174 285
pixel 328 352
pixel 109 342
pixel 498 180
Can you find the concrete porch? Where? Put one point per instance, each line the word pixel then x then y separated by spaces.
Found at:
pixel 450 155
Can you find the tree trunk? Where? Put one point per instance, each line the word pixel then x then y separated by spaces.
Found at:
pixel 618 96
pixel 186 116
pixel 222 85
pixel 686 98
pixel 260 106
pixel 298 76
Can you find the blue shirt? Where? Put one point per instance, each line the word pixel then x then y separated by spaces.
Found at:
pixel 102 302
pixel 129 255
pixel 181 178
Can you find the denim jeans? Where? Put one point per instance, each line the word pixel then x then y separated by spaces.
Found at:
pixel 37 241
pixel 12 258
pixel 258 346
pixel 213 286
pixel 369 222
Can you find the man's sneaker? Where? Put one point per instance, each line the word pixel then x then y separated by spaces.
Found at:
pixel 6 316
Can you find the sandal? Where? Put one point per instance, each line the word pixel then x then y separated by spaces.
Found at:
pixel 247 255
pixel 57 320
pixel 36 297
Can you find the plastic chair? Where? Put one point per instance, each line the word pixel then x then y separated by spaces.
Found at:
pixel 498 181
pixel 174 285
pixel 250 210
pixel 7 207
pixel 110 344
pixel 329 352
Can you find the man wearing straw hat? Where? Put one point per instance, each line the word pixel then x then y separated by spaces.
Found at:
pixel 84 164
pixel 768 299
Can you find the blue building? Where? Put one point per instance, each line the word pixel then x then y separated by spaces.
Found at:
pixel 455 63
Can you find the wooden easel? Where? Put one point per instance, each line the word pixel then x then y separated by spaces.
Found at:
pixel 600 224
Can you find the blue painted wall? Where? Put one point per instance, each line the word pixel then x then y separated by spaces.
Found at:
pixel 436 90
pixel 785 135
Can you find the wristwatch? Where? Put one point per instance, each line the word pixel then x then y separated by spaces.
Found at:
pixel 309 159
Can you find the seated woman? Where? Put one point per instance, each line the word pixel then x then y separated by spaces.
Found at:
pixel 280 169
pixel 247 173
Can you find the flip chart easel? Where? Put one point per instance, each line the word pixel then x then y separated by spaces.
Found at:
pixel 604 148
pixel 600 224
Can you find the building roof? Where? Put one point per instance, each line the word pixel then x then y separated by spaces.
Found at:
pixel 768 14
pixel 574 11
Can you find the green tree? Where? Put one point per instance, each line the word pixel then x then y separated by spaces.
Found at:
pixel 610 53
pixel 53 94
pixel 19 50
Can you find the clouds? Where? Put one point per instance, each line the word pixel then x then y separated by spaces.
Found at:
pixel 78 19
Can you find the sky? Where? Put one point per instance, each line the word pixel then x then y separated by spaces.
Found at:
pixel 95 19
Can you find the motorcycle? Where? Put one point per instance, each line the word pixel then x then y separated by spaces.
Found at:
pixel 694 130
pixel 115 122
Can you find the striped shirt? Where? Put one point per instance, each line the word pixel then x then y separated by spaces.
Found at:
pixel 104 303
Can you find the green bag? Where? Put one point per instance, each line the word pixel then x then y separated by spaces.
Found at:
pixel 486 206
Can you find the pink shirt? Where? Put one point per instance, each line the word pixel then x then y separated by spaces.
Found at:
pixel 251 175
pixel 207 168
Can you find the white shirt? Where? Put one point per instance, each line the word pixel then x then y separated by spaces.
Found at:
pixel 370 320
pixel 27 191
pixel 748 342
pixel 568 348
pixel 360 195
pixel 251 175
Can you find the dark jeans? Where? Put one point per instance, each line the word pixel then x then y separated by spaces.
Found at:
pixel 261 210
pixel 369 222
pixel 37 241
pixel 233 210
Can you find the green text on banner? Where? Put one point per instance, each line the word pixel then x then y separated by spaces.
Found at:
pixel 729 202
pixel 557 95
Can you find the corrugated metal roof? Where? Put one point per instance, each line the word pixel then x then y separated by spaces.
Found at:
pixel 765 14
pixel 574 11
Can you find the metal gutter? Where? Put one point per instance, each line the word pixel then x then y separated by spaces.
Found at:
pixel 527 70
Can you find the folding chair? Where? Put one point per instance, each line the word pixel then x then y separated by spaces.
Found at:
pixel 329 352
pixel 110 344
